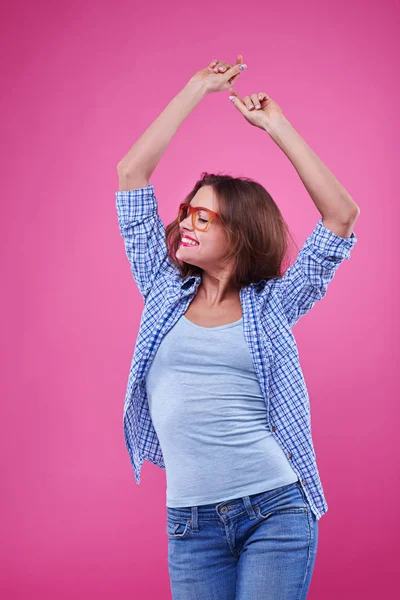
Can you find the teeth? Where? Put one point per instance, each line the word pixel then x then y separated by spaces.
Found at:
pixel 187 241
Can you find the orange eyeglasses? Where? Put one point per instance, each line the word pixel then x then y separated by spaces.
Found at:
pixel 201 217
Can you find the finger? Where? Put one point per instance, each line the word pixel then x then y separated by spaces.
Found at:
pixel 235 70
pixel 233 79
pixel 263 97
pixel 256 102
pixel 239 61
pixel 215 64
pixel 248 103
pixel 234 93
pixel 224 67
pixel 234 97
pixel 221 67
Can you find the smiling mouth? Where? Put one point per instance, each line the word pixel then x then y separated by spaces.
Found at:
pixel 187 244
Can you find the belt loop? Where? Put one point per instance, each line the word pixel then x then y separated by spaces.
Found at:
pixel 249 507
pixel 195 522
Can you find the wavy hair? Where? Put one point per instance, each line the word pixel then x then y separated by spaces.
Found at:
pixel 258 236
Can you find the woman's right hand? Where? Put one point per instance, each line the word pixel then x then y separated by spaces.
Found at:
pixel 219 75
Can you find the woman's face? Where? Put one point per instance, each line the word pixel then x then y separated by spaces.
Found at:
pixel 212 244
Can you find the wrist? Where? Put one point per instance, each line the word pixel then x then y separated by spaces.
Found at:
pixel 276 125
pixel 196 88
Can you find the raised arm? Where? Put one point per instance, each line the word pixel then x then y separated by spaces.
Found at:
pixel 136 167
pixel 306 281
pixel 139 222
pixel 138 164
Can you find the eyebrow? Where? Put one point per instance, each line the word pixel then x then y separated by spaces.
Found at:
pixel 202 207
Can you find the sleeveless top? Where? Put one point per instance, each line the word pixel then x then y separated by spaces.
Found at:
pixel 209 414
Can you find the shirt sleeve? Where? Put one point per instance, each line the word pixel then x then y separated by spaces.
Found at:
pixel 306 280
pixel 144 237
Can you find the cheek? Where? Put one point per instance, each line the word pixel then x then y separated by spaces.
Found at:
pixel 217 239
pixel 221 243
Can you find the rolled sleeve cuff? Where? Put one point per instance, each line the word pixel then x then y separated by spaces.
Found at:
pixel 134 205
pixel 329 244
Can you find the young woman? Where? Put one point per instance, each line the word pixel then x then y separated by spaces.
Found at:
pixel 216 394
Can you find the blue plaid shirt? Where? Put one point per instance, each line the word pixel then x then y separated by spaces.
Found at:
pixel 270 309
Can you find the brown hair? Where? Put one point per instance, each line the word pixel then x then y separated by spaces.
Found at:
pixel 257 233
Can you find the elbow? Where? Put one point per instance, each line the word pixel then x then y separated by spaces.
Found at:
pixel 355 212
pixel 348 217
pixel 132 170
pixel 121 168
pixel 124 168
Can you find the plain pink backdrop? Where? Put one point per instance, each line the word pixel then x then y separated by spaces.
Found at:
pixel 80 83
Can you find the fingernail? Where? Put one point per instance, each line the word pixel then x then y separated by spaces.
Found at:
pixel 232 98
pixel 242 67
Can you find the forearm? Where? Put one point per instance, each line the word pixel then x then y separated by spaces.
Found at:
pixel 145 154
pixel 330 197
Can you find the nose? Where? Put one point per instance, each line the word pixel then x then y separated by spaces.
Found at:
pixel 187 223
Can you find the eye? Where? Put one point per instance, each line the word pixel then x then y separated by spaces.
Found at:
pixel 203 220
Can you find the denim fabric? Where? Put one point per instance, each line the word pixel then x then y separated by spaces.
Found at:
pixel 258 547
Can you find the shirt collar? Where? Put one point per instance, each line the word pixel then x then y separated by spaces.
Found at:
pixel 191 278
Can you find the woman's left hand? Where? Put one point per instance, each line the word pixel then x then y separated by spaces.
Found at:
pixel 258 109
pixel 219 75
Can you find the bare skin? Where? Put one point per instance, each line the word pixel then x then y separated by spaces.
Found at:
pixel 200 313
pixel 216 302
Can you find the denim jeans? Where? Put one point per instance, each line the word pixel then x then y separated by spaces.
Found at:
pixel 258 547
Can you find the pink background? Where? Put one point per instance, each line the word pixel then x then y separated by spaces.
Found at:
pixel 80 83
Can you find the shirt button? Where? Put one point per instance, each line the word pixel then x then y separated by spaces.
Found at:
pixel 273 428
pixel 303 482
pixel 290 455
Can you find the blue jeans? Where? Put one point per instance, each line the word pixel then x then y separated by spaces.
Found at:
pixel 258 547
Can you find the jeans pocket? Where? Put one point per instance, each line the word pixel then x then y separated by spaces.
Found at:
pixel 177 527
pixel 289 500
pixel 265 512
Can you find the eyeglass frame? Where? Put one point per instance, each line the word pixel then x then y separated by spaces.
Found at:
pixel 193 210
